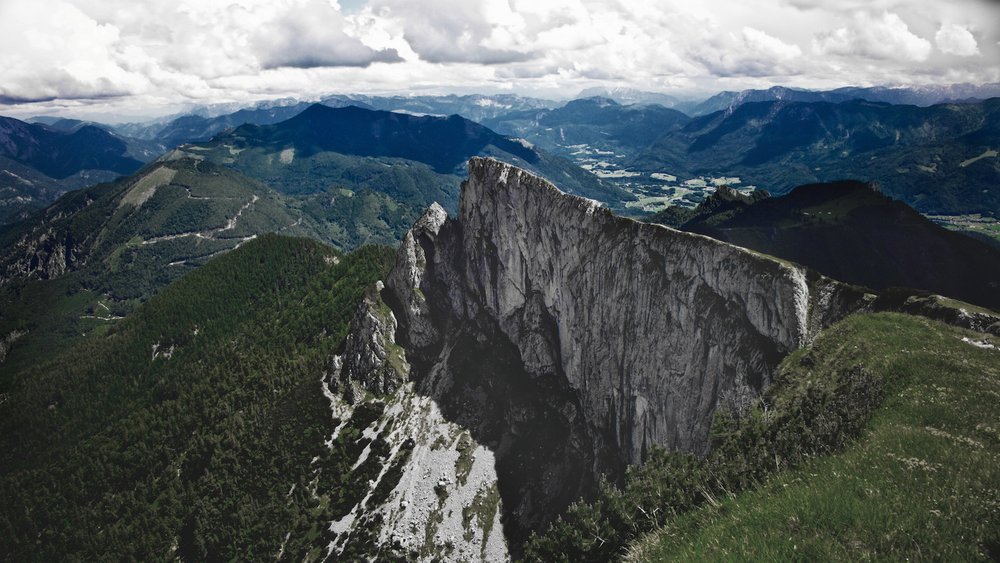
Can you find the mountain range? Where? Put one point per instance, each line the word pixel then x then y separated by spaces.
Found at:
pixel 922 96
pixel 344 176
pixel 331 331
pixel 597 123
pixel 939 159
pixel 38 161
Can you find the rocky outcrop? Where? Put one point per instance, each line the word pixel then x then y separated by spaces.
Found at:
pixel 41 255
pixel 569 341
pixel 371 360
pixel 7 341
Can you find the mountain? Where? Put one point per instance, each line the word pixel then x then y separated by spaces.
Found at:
pixel 122 242
pixel 598 122
pixel 863 435
pixel 474 107
pixel 918 96
pixel 442 143
pixel 629 96
pixel 201 124
pixel 38 161
pixel 98 252
pixel 544 332
pixel 509 389
pixel 938 159
pixel 393 165
pixel 66 125
pixel 60 154
pixel 850 232
pixel 193 128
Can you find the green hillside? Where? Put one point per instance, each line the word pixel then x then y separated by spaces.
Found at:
pixel 188 429
pixel 91 257
pixel 921 479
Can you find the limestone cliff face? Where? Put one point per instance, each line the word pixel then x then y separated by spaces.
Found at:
pixel 569 341
pixel 651 328
pixel 43 255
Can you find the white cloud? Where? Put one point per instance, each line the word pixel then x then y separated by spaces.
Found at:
pixel 752 52
pixel 885 36
pixel 53 50
pixel 312 35
pixel 954 39
pixel 154 53
pixel 478 31
pixel 99 48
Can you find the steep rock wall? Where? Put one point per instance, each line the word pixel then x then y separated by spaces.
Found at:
pixel 569 341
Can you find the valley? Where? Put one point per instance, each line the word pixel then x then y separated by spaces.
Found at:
pixel 973 223
pixel 580 331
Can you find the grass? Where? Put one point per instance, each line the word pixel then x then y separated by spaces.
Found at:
pixel 923 481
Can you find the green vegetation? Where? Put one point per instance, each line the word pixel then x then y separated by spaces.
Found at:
pixel 921 481
pixel 189 428
pixel 121 248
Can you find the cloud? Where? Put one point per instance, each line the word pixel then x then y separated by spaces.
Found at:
pixel 158 53
pixel 885 37
pixel 78 49
pixel 752 52
pixel 954 39
pixel 52 50
pixel 310 36
pixel 473 31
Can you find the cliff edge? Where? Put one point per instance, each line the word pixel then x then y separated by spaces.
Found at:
pixel 568 341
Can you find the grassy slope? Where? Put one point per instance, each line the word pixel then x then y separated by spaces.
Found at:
pixel 922 482
pixel 108 452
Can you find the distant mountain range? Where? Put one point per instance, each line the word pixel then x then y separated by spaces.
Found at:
pixel 328 154
pixel 918 96
pixel 39 161
pixel 939 159
pixel 203 124
pixel 629 96
pixel 475 107
pixel 851 232
pixel 597 122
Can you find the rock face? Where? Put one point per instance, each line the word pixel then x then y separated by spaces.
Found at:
pixel 44 255
pixel 569 341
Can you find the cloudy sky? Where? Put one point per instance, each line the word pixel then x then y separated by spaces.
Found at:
pixel 129 59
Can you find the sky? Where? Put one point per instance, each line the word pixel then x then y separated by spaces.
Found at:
pixel 120 60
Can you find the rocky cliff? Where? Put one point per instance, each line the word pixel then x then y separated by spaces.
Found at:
pixel 568 341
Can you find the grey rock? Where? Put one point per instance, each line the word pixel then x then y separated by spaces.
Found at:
pixel 570 341
pixel 371 361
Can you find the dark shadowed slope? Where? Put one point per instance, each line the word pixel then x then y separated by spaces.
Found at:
pixel 850 232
